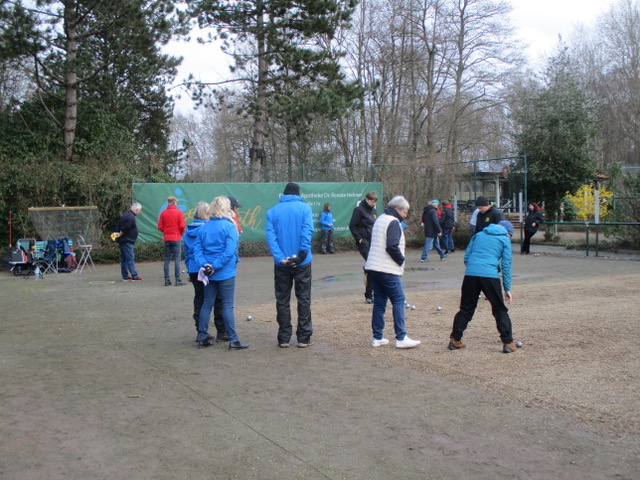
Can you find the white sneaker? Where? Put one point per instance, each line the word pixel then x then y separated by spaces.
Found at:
pixel 378 343
pixel 407 342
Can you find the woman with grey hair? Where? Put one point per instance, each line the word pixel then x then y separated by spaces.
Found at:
pixel 216 255
pixel 385 266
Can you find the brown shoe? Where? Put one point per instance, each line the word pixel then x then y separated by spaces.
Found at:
pixel 509 347
pixel 455 344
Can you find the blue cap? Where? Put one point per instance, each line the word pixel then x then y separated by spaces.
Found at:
pixel 507 226
pixel 435 202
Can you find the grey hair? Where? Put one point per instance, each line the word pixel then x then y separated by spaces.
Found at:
pixel 399 202
pixel 136 206
pixel 202 211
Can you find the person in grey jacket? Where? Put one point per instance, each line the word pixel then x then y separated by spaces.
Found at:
pixel 487 255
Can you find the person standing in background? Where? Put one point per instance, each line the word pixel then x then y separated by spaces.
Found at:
pixel 447 222
pixel 326 221
pixel 172 225
pixel 531 225
pixel 432 231
pixel 126 234
pixel 361 225
pixel 487 214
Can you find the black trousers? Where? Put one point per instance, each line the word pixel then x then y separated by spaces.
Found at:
pixel 284 280
pixel 492 289
pixel 526 243
pixel 198 299
pixel 327 241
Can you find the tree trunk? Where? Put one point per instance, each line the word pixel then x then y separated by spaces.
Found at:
pixel 70 84
pixel 257 152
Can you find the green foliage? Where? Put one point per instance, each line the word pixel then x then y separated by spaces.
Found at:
pixel 556 127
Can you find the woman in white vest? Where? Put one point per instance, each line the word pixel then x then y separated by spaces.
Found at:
pixel 385 266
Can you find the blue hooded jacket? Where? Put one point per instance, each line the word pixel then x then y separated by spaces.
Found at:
pixel 488 252
pixel 289 229
pixel 189 239
pixel 217 244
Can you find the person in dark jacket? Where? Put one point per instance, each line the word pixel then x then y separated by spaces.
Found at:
pixel 486 257
pixel 361 225
pixel 531 225
pixel 447 222
pixel 288 232
pixel 432 231
pixel 127 234
pixel 487 214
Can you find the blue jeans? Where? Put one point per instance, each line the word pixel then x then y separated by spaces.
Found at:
pixel 172 249
pixel 127 260
pixel 226 290
pixel 387 286
pixel 447 239
pixel 429 243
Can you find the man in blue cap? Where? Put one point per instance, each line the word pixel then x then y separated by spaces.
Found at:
pixel 488 253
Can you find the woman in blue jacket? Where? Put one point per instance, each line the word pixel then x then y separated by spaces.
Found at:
pixel 200 217
pixel 215 253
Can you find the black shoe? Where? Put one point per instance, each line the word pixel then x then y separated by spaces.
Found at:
pixel 237 345
pixel 205 343
pixel 167 283
pixel 368 300
pixel 179 283
pixel 222 337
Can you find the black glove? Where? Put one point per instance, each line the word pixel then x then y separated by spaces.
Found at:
pixel 302 254
pixel 208 270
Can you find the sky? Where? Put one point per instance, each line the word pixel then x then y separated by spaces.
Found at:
pixel 538 23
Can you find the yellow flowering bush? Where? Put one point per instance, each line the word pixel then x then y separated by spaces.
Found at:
pixel 584 202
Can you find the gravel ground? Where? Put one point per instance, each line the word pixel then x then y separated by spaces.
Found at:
pixel 580 338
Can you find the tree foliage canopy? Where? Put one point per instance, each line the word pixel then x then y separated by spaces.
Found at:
pixel 557 125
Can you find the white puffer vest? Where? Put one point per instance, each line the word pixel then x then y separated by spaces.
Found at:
pixel 379 260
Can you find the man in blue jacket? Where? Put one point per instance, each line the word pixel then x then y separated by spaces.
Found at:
pixel 488 253
pixel 289 229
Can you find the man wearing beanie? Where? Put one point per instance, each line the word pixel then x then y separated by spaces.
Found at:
pixel 487 214
pixel 488 253
pixel 289 229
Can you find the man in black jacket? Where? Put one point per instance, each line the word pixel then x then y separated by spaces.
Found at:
pixel 127 234
pixel 487 214
pixel 361 225
pixel 432 231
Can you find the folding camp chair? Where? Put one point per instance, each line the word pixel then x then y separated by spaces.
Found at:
pixel 49 259
pixel 85 255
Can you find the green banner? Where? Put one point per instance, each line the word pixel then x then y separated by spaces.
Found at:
pixel 255 198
